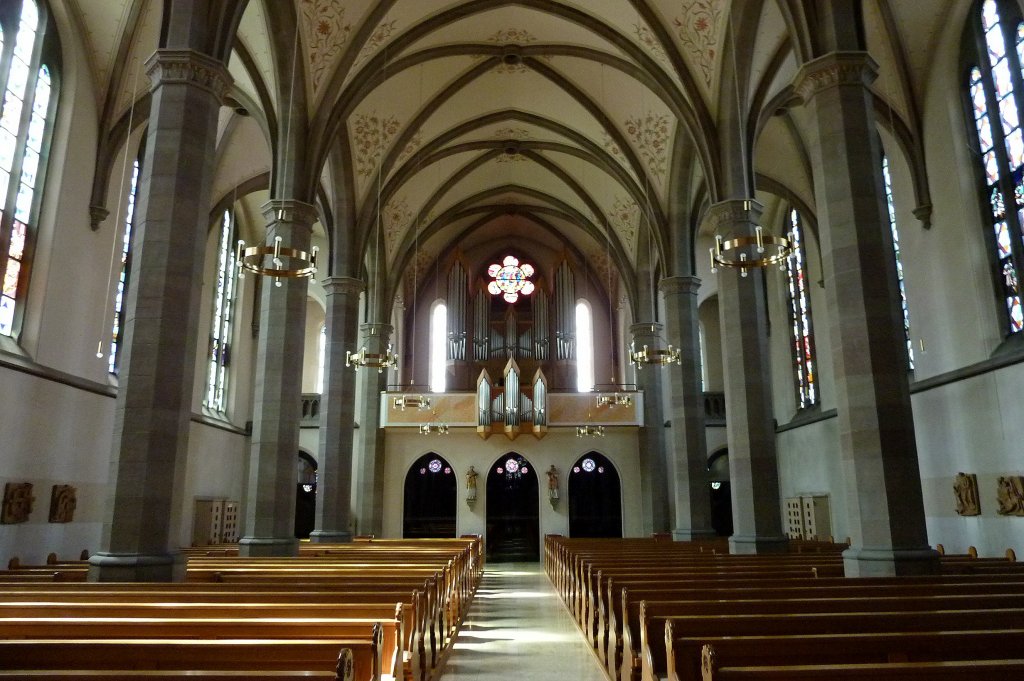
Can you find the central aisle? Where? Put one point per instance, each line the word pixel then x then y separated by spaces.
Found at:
pixel 517 628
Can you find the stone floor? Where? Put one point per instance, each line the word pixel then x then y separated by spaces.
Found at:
pixel 517 628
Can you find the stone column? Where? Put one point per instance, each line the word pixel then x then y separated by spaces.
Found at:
pixel 337 413
pixel 368 468
pixel 653 473
pixel 876 423
pixel 154 401
pixel 750 424
pixel 687 439
pixel 269 514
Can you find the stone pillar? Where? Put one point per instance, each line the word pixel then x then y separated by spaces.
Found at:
pixel 269 514
pixel 750 424
pixel 876 423
pixel 154 401
pixel 337 413
pixel 368 468
pixel 687 439
pixel 653 472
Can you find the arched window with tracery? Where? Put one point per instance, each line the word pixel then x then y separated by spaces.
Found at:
pixel 438 346
pixel 584 347
pixel 994 86
pixel 29 55
pixel 802 334
pixel 121 292
pixel 222 326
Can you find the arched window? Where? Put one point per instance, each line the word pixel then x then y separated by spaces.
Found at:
pixel 995 90
pixel 584 347
pixel 899 262
pixel 438 346
pixel 321 358
pixel 122 279
pixel 799 298
pixel 27 80
pixel 223 318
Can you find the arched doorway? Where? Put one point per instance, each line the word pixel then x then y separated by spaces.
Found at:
pixel 513 515
pixel 595 498
pixel 429 506
pixel 721 493
pixel 305 496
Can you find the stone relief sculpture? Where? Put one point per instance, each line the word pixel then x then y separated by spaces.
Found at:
pixel 63 501
pixel 965 491
pixel 1010 495
pixel 17 504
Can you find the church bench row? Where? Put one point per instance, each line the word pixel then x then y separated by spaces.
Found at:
pixel 688 658
pixel 975 670
pixel 356 659
pixel 839 592
pixel 802 616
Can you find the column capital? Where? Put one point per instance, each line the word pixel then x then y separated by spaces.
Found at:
pixel 188 67
pixel 679 285
pixel 834 69
pixel 343 286
pixel 726 214
pixel 290 210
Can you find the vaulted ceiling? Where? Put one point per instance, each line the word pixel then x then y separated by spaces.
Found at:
pixel 433 124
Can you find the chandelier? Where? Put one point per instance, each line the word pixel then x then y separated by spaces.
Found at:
pixel 654 356
pixel 378 361
pixel 589 431
pixel 412 401
pixel 510 279
pixel 748 252
pixel 615 400
pixel 268 261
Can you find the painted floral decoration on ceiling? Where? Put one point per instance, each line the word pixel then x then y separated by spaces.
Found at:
pixel 650 135
pixel 510 279
pixel 323 23
pixel 371 135
pixel 697 27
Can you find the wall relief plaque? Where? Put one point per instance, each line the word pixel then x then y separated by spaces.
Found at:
pixel 62 504
pixel 1010 495
pixel 965 491
pixel 17 502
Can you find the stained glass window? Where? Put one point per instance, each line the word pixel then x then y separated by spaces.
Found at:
pixel 899 262
pixel 799 298
pixel 219 357
pixel 995 104
pixel 122 280
pixel 584 348
pixel 26 113
pixel 510 279
pixel 321 358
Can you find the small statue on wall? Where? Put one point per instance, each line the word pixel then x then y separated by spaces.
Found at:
pixel 17 502
pixel 553 482
pixel 965 490
pixel 63 501
pixel 1010 495
pixel 471 476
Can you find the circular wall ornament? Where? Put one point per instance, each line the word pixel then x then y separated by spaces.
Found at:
pixel 589 465
pixel 434 466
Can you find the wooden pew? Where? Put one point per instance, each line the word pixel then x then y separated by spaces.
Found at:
pixel 363 658
pixel 685 655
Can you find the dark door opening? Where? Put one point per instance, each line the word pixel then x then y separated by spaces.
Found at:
pixel 305 496
pixel 721 494
pixel 513 515
pixel 430 492
pixel 595 498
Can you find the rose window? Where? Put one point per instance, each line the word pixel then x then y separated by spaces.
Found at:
pixel 510 279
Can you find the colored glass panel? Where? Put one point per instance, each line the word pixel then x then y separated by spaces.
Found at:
pixel 887 177
pixel 800 317
pixel 222 324
pixel 122 280
pixel 510 279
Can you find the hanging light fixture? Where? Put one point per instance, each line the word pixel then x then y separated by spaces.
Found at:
pixel 616 400
pixel 589 429
pixel 433 428
pixel 370 360
pixel 655 356
pixel 412 402
pixel 748 252
pixel 269 261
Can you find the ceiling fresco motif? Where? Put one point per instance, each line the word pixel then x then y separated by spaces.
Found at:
pixel 326 33
pixel 697 26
